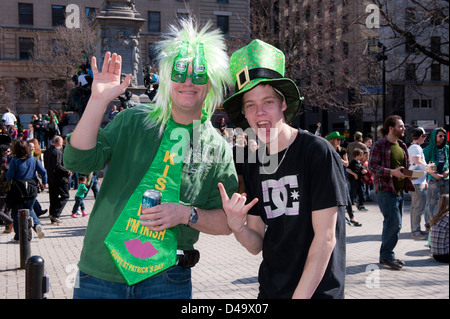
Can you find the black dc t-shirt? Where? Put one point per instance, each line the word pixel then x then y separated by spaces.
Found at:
pixel 309 178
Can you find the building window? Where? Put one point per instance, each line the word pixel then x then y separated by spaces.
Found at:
pixel 435 45
pixel 27 89
pixel 345 23
pixel 222 1
pixel 410 72
pixel 315 109
pixel 59 89
pixel 435 72
pixel 26 13
pixel 422 103
pixel 26 47
pixel 154 21
pixel 410 47
pixel 91 13
pixel 222 24
pixel 410 16
pixel 182 16
pixel 308 14
pixel 345 49
pixel 58 15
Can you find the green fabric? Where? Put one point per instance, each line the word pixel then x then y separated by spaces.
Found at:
pixel 137 252
pixel 81 191
pixel 397 159
pixel 431 153
pixel 129 149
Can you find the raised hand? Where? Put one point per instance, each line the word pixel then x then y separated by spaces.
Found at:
pixel 105 87
pixel 106 84
pixel 235 208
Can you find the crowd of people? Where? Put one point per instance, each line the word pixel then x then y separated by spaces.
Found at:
pixel 428 188
pixel 31 162
pixel 289 202
pixel 385 167
pixel 42 127
pixel 427 192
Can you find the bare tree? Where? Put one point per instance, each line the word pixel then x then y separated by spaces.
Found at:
pixel 59 54
pixel 7 100
pixel 419 30
pixel 311 34
pixel 421 21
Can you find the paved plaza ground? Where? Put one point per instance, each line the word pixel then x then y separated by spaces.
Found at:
pixel 227 271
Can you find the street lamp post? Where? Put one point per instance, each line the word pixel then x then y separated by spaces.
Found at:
pixel 383 57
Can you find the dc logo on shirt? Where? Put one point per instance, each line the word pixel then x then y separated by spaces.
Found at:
pixel 281 197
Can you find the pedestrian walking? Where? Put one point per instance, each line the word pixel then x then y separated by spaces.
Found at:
pixel 79 197
pixel 58 179
pixel 22 194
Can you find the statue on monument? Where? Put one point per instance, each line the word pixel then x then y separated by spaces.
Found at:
pixel 118 25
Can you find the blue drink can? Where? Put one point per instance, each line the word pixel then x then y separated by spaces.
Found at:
pixel 151 198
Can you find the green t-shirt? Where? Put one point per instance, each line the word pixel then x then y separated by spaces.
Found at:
pixel 129 148
pixel 397 160
pixel 82 190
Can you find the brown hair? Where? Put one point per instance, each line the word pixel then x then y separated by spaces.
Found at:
pixel 357 152
pixel 20 149
pixel 82 178
pixel 389 122
pixel 442 210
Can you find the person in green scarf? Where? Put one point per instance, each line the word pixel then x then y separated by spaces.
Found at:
pixel 144 150
pixel 436 152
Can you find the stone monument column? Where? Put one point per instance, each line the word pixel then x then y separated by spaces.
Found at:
pixel 118 25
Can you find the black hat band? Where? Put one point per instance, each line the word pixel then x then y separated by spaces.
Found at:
pixel 245 76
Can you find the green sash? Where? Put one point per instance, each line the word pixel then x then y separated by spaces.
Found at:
pixel 138 252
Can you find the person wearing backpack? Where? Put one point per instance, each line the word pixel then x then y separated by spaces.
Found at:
pixel 22 195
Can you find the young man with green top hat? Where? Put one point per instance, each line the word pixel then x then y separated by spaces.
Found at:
pixel 294 207
pixel 131 251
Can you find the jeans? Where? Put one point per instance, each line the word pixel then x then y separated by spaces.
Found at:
pixel 391 206
pixel 15 215
pixel 435 188
pixel 418 203
pixel 79 202
pixel 174 283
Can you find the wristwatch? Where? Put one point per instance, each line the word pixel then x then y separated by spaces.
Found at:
pixel 193 218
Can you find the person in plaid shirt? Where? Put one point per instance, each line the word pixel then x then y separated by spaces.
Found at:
pixel 388 158
pixel 439 231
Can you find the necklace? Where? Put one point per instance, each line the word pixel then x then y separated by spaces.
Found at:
pixel 282 159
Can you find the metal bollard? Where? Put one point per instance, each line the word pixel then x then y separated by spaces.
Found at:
pixel 24 237
pixel 36 282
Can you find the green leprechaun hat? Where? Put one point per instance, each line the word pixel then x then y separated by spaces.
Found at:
pixel 256 63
